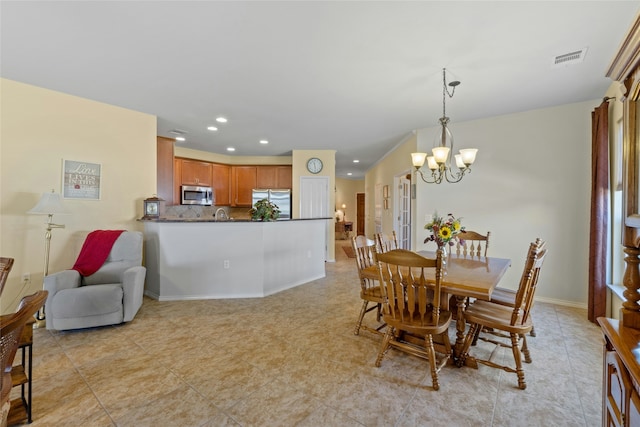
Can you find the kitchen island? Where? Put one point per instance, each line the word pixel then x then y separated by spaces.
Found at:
pixel 204 259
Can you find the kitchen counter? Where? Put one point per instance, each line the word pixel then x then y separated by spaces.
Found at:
pixel 198 258
pixel 226 220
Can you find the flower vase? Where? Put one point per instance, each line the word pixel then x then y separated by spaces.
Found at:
pixel 445 253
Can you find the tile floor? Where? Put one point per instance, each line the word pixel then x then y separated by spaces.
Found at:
pixel 292 359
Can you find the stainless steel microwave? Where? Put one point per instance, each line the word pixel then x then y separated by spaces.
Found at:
pixel 196 195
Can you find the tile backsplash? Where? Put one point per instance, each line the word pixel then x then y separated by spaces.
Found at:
pixel 195 211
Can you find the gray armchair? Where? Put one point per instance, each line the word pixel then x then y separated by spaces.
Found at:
pixel 110 296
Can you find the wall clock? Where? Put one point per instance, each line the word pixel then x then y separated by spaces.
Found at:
pixel 314 165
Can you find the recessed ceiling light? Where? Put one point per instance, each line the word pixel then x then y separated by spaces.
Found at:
pixel 264 141
pixel 356 161
pixel 349 174
pixel 180 138
pixel 221 120
pixel 231 149
pixel 212 128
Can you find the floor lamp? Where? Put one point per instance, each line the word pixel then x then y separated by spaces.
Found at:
pixel 49 204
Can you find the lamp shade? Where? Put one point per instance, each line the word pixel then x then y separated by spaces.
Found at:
pixel 418 159
pixel 49 204
pixel 440 154
pixel 469 155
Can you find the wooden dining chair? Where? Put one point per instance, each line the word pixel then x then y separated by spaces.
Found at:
pixel 370 292
pixel 472 243
pixel 11 326
pixel 506 296
pixel 413 309
pixel 507 322
pixel 5 267
pixel 386 243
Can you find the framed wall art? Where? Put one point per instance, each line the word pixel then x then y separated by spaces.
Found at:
pixel 81 180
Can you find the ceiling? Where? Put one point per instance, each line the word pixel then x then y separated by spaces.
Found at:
pixel 354 76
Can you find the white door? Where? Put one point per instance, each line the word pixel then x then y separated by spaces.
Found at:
pixel 314 199
pixel 403 211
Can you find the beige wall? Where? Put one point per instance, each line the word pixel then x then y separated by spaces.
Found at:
pixel 395 163
pixel 230 160
pixel 299 169
pixel 346 194
pixel 39 128
pixel 531 179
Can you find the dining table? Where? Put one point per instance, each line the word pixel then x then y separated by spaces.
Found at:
pixel 467 276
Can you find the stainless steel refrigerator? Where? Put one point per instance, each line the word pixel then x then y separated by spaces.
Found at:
pixel 281 198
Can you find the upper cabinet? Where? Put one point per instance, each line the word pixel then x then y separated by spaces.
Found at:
pixel 231 184
pixel 277 176
pixel 221 183
pixel 243 180
pixel 196 172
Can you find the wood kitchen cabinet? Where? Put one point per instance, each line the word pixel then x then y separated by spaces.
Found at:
pixel 621 382
pixel 243 180
pixel 276 176
pixel 221 183
pixel 196 172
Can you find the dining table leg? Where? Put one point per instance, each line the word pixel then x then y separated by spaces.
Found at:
pixel 461 325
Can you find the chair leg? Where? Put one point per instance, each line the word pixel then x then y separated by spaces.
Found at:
pixel 432 361
pixel 363 310
pixel 518 359
pixel 525 349
pixel 533 331
pixel 384 346
pixel 468 339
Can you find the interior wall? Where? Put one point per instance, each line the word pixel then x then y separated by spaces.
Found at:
pixel 532 178
pixel 39 128
pixel 189 153
pixel 397 162
pixel 346 194
pixel 299 169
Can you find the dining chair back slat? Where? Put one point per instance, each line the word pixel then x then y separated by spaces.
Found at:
pixel 386 243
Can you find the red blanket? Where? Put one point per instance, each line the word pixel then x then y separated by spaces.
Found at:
pixel 95 250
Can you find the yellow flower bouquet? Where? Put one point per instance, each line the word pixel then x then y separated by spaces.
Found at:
pixel 443 229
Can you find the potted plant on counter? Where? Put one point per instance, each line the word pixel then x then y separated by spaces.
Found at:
pixel 264 210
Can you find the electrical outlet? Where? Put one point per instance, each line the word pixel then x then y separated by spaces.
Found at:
pixel 226 263
pixel 26 277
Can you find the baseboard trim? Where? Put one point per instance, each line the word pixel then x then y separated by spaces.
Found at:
pixel 562 302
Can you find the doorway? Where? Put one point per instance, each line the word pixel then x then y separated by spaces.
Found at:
pixel 360 204
pixel 403 210
pixel 314 200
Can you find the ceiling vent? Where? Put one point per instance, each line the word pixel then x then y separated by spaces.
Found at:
pixel 570 58
pixel 178 132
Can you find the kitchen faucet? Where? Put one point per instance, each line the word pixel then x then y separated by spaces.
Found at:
pixel 221 214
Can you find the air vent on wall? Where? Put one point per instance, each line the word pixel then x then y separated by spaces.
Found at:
pixel 570 58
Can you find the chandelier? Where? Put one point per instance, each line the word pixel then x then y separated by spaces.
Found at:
pixel 439 163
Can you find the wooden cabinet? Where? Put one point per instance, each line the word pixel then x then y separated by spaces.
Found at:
pixel 221 183
pixel 165 161
pixel 243 180
pixel 621 382
pixel 277 176
pixel 196 172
